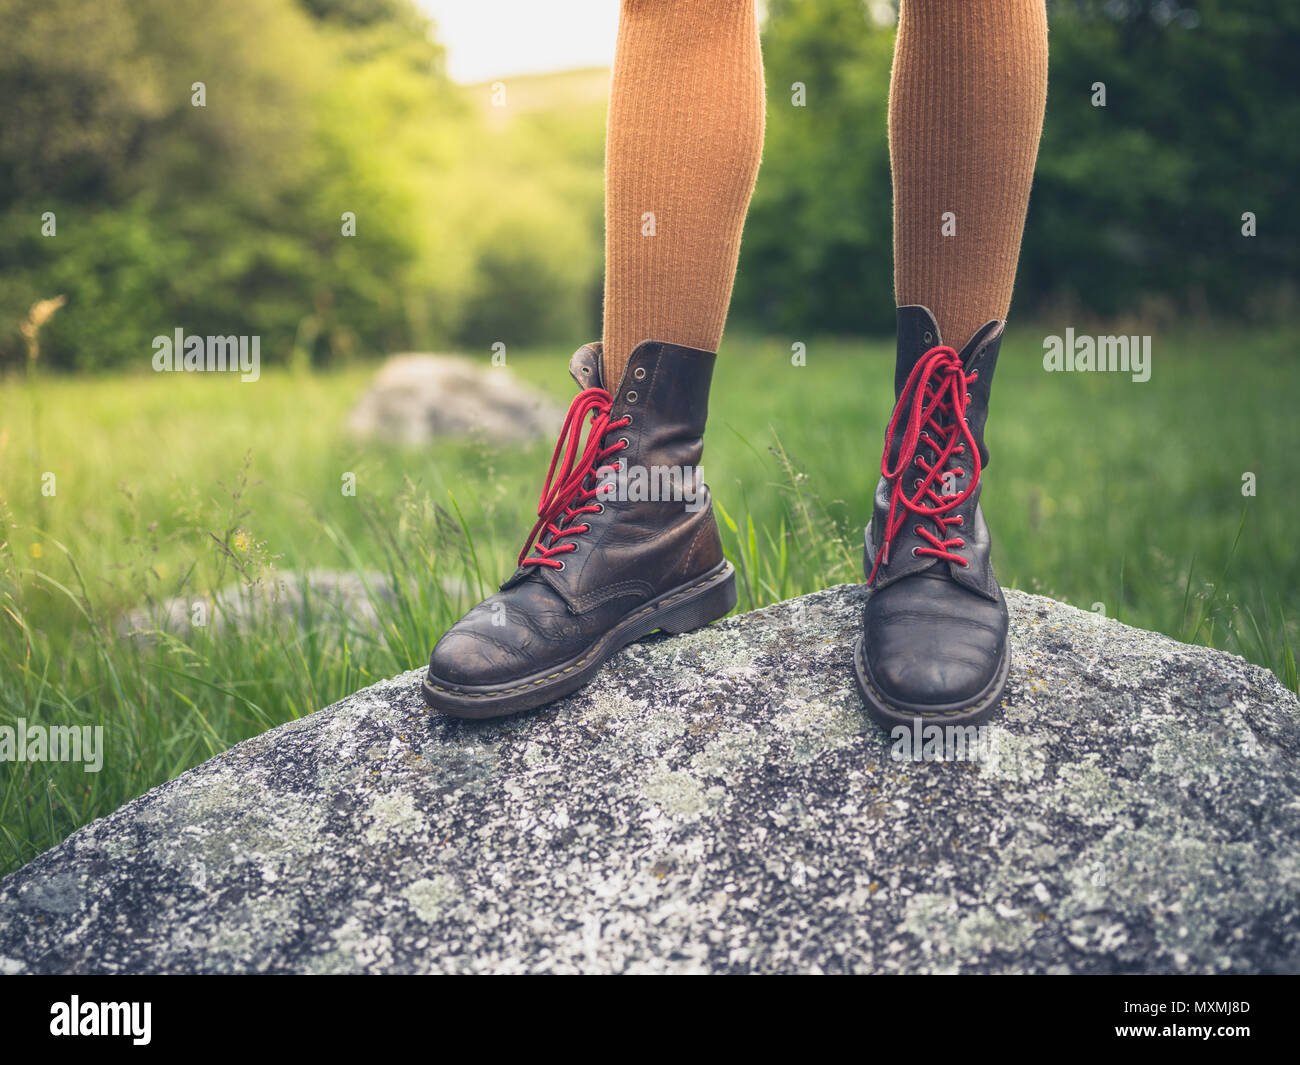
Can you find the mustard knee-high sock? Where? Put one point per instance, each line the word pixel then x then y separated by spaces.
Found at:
pixel 965 114
pixel 683 143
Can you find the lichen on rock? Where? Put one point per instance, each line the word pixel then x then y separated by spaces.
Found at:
pixel 718 802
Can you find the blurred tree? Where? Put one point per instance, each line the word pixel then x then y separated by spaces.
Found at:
pixel 219 218
pixel 816 253
pixel 228 218
pixel 476 224
pixel 1145 195
pixel 1141 198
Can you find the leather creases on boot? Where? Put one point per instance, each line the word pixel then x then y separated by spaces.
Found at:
pixel 610 559
pixel 934 642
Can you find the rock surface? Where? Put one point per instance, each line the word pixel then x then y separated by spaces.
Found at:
pixel 417 398
pixel 718 802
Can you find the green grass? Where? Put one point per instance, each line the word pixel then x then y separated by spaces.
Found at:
pixel 1100 491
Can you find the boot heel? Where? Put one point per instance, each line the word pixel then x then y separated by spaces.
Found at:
pixel 713 602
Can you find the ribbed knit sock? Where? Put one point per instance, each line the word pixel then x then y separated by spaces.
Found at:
pixel 682 150
pixel 965 114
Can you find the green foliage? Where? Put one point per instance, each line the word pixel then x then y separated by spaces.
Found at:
pixel 531 203
pixel 817 247
pixel 228 218
pixel 1145 196
pixel 1135 204
pixel 477 224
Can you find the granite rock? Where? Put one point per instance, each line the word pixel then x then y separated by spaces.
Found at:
pixel 415 399
pixel 719 802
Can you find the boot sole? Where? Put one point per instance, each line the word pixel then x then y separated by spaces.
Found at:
pixel 966 712
pixel 682 609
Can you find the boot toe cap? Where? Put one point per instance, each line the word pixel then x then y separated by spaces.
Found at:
pixel 933 656
pixel 478 651
pixel 509 637
pixel 469 658
pixel 920 681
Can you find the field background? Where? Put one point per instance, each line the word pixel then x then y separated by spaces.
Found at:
pixel 1099 491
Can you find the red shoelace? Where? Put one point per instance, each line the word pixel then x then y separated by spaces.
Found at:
pixel 934 400
pixel 567 493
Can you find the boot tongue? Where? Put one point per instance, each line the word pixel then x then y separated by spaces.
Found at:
pixel 918 332
pixel 981 355
pixel 974 346
pixel 584 367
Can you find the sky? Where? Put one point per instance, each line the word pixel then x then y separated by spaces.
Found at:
pixel 488 39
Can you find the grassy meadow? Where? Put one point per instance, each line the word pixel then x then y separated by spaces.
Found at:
pixel 119 491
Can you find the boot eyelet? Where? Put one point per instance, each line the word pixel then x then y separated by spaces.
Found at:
pixel 629 419
pixel 639 373
pixel 631 397
pixel 560 567
pixel 600 508
pixel 625 442
pixel 914 550
pixel 928 336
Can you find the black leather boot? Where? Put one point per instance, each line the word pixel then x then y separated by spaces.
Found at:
pixel 934 641
pixel 604 565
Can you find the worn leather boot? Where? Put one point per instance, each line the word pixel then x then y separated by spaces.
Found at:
pixel 934 642
pixel 604 565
